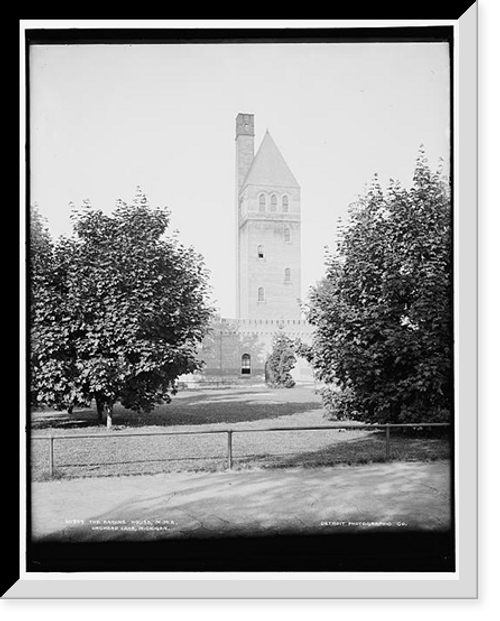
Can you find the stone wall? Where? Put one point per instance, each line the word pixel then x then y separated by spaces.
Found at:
pixel 229 340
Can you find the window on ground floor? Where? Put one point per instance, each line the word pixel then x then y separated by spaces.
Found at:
pixel 246 364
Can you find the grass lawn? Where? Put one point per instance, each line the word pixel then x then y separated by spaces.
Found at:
pixel 249 408
pixel 192 408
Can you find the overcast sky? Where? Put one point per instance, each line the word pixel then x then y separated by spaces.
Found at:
pixel 106 118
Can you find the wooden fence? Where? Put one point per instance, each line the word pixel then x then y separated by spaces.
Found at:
pixel 229 457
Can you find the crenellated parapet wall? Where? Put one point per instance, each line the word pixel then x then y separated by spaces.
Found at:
pixel 291 327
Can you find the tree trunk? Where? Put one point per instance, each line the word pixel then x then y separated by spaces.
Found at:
pixel 100 408
pixel 104 407
pixel 109 416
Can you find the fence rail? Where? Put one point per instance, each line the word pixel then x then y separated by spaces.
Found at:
pixel 230 432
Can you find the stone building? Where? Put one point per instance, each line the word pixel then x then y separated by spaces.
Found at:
pixel 268 266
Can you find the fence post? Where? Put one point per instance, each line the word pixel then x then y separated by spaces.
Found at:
pixel 229 449
pixel 51 456
pixel 387 440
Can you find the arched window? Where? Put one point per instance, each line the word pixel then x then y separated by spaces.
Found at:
pixel 274 202
pixel 284 203
pixel 288 235
pixel 246 364
pixel 288 274
pixel 260 251
pixel 262 202
pixel 260 294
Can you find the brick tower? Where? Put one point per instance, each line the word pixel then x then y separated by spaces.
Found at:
pixel 268 229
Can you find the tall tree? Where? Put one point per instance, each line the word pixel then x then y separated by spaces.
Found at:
pixel 383 313
pixel 41 264
pixel 131 310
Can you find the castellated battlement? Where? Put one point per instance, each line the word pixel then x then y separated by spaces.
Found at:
pixel 276 322
pixel 293 328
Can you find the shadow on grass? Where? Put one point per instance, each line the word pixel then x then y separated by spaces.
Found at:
pixel 194 409
pixel 371 449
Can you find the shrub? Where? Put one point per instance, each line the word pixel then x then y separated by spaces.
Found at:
pixel 280 362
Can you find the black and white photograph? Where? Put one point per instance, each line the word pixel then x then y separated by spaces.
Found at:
pixel 241 301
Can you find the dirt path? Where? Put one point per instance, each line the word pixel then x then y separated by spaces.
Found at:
pixel 391 496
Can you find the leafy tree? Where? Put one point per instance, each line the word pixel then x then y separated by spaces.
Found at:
pixel 383 313
pixel 280 362
pixel 40 259
pixel 41 248
pixel 127 311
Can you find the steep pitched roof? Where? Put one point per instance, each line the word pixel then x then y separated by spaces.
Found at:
pixel 269 166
